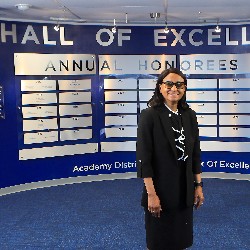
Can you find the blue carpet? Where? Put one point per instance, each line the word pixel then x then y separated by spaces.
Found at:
pixel 107 215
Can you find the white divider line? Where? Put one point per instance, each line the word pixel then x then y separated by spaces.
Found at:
pixel 103 177
pixel 222 175
pixel 65 181
pixel 221 146
pixel 36 153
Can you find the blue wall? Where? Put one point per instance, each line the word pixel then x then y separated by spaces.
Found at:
pixel 29 38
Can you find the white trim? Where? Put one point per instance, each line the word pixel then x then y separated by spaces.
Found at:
pixel 64 181
pixel 102 177
pixel 142 23
pixel 222 175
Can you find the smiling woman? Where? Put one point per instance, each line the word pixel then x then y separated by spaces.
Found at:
pixel 168 158
pixel 172 89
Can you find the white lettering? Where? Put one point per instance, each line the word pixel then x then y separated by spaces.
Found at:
pixel 212 164
pixel 11 33
pixel 46 37
pixel 92 167
pixel 228 42
pixel 244 36
pixel 212 36
pixel 125 164
pixel 30 35
pixel 157 36
pixel 104 43
pixel 121 37
pixel 62 37
pixel 191 34
pixel 178 37
pixel 242 164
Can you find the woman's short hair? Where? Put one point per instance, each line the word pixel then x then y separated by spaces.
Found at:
pixel 157 99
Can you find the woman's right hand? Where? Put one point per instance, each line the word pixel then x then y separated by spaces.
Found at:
pixel 154 205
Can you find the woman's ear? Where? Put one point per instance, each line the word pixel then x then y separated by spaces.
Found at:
pixel 160 87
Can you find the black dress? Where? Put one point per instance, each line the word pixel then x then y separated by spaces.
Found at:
pixel 174 229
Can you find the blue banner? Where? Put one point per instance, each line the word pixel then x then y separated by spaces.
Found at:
pixel 72 97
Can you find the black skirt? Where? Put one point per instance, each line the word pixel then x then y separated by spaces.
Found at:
pixel 172 231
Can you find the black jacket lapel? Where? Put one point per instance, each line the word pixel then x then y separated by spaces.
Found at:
pixel 166 123
pixel 186 127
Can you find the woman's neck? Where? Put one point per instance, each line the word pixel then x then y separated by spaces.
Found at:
pixel 172 106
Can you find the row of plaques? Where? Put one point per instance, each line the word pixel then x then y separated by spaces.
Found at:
pixel 206 96
pixel 121 107
pixel 51 85
pixel 211 96
pixel 54 136
pixel 55 116
pixel 125 120
pixel 131 83
pixel 125 131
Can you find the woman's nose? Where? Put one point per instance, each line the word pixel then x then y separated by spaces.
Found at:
pixel 174 88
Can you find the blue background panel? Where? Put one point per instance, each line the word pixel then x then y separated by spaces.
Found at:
pixel 29 39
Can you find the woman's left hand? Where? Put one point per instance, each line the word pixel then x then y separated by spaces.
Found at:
pixel 198 197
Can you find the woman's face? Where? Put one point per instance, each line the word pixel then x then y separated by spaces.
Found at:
pixel 170 92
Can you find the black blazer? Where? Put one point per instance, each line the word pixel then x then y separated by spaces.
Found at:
pixel 156 154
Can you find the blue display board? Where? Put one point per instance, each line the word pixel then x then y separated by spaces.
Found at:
pixel 72 98
pixel 2 114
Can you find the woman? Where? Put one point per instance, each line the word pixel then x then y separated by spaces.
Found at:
pixel 168 159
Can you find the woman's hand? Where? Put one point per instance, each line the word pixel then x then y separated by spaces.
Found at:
pixel 198 197
pixel 154 205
